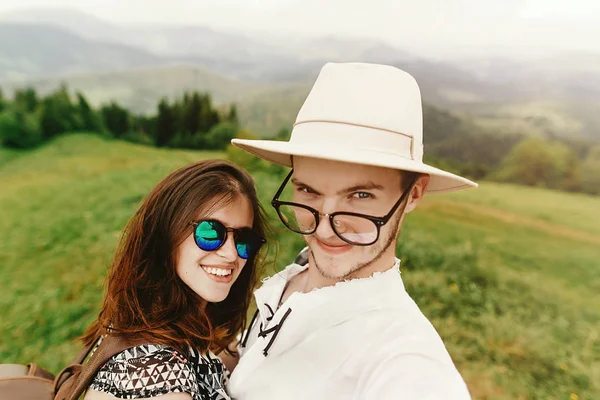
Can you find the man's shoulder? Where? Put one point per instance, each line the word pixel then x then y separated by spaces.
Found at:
pixel 412 348
pixel 406 325
pixel 418 321
pixel 403 328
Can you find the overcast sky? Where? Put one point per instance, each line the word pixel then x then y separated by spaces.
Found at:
pixel 556 24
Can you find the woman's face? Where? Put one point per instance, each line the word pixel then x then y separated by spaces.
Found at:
pixel 212 273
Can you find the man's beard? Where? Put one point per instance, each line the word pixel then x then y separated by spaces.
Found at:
pixel 389 241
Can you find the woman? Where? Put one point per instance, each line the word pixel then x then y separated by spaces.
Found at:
pixel 181 282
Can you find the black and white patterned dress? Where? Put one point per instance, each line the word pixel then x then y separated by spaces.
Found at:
pixel 152 370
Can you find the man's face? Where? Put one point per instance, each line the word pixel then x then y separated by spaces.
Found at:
pixel 330 186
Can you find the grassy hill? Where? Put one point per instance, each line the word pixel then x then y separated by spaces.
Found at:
pixel 508 275
pixel 7 155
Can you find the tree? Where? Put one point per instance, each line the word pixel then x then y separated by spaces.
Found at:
pixel 209 117
pixel 145 126
pixel 166 122
pixel 220 135
pixel 189 121
pixel 232 115
pixel 20 129
pixel 116 119
pixel 90 120
pixel 58 114
pixel 283 134
pixel 241 157
pixel 537 162
pixel 191 114
pixel 568 167
pixel 3 102
pixel 177 110
pixel 52 120
pixel 26 99
pixel 590 171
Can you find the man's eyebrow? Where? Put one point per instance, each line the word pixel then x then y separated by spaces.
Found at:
pixel 360 187
pixel 356 188
pixel 297 182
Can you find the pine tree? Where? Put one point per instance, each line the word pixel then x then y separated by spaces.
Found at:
pixel 232 116
pixel 165 123
pixel 26 99
pixel 116 119
pixel 3 102
pixel 209 117
pixel 90 120
pixel 192 115
pixel 58 114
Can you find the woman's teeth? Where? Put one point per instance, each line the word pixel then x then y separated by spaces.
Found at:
pixel 218 271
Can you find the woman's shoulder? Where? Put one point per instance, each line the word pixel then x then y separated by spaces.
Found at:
pixel 145 371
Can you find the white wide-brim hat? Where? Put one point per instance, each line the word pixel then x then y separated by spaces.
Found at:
pixel 360 113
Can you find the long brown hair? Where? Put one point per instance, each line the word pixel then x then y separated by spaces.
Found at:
pixel 145 297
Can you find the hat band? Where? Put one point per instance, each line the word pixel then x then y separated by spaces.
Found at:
pixel 365 137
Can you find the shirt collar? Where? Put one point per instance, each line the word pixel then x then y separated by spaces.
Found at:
pixel 370 289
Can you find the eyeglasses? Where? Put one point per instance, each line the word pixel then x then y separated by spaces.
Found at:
pixel 352 228
pixel 210 235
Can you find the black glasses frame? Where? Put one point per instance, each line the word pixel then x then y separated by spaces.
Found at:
pixel 228 229
pixel 377 221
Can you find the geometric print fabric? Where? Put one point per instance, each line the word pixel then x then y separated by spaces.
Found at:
pixel 152 370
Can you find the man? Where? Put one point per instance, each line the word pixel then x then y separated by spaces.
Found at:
pixel 342 326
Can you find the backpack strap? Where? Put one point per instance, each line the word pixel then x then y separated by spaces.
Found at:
pixel 74 380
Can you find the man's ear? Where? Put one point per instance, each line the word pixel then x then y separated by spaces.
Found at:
pixel 417 193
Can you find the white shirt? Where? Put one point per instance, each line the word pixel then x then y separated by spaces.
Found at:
pixel 360 339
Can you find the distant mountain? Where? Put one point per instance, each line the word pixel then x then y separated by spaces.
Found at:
pixel 454 80
pixel 574 76
pixel 239 55
pixel 229 53
pixel 28 50
pixel 336 48
pixel 546 94
pixel 555 95
pixel 79 23
pixel 249 57
pixel 192 41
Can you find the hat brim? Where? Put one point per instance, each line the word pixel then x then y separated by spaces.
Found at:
pixel 279 152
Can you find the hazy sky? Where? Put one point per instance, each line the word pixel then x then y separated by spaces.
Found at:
pixel 572 24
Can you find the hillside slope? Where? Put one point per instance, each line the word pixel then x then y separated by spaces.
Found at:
pixel 508 275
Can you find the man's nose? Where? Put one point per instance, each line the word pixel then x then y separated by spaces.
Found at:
pixel 324 229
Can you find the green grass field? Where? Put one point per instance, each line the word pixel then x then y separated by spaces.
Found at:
pixel 7 155
pixel 510 276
